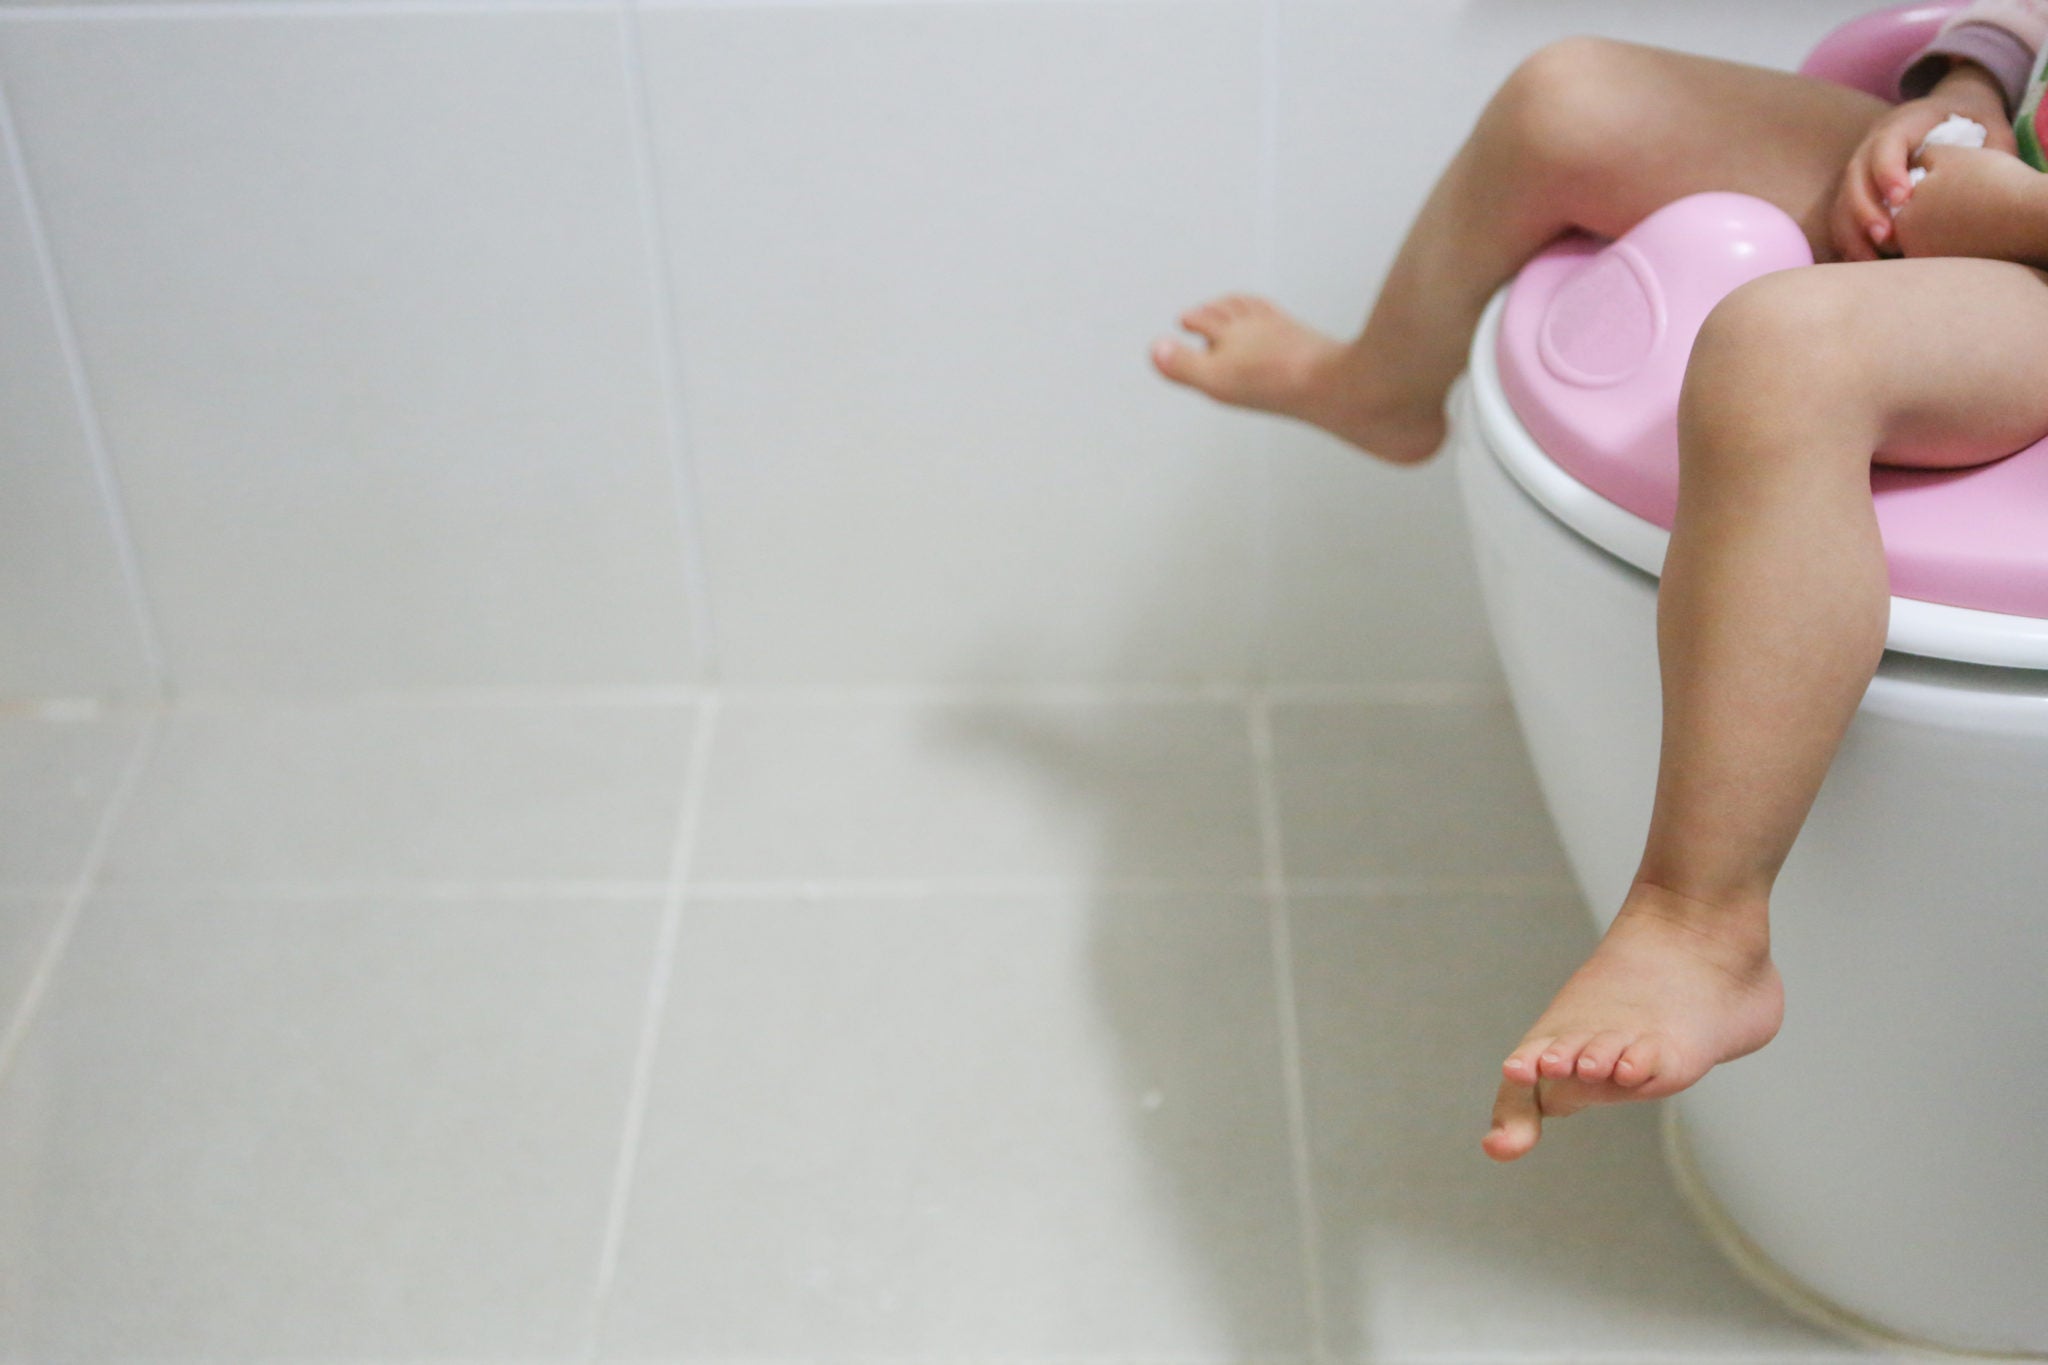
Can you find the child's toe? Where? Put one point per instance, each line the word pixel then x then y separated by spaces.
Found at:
pixel 1181 363
pixel 1520 1067
pixel 1561 1058
pixel 1637 1063
pixel 1517 1122
pixel 1596 1062
pixel 1205 321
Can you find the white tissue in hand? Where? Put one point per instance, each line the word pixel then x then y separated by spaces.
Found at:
pixel 1953 131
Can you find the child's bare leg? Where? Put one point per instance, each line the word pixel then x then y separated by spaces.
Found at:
pixel 1587 133
pixel 1771 618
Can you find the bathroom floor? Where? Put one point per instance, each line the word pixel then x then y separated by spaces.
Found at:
pixel 778 1026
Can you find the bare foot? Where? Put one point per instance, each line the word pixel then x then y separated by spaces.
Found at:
pixel 1675 988
pixel 1259 357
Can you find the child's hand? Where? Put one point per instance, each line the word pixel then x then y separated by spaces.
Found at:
pixel 1974 203
pixel 1875 178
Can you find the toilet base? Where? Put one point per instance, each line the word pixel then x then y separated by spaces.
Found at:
pixel 1778 1283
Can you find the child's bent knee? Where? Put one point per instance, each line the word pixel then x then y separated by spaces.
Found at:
pixel 1787 326
pixel 1571 103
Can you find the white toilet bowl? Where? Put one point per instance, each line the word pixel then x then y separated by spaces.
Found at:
pixel 1883 1164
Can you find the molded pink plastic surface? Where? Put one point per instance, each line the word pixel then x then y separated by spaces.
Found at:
pixel 1595 336
pixel 1594 339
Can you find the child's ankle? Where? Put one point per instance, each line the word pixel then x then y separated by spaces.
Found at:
pixel 1738 920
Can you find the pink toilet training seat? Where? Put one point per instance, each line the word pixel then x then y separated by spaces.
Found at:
pixel 1595 336
pixel 1593 345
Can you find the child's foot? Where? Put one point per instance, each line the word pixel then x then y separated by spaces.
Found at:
pixel 1675 988
pixel 1259 357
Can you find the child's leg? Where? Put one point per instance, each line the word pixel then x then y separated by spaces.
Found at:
pixel 1587 133
pixel 1770 620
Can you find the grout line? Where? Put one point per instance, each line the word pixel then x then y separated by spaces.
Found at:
pixel 1266 227
pixel 685 487
pixel 1508 885
pixel 74 900
pixel 32 10
pixel 112 504
pixel 981 1357
pixel 213 701
pixel 426 890
pixel 800 889
pixel 1835 1356
pixel 968 888
pixel 1261 730
pixel 1265 276
pixel 687 819
pixel 1231 693
pixel 421 698
pixel 28 11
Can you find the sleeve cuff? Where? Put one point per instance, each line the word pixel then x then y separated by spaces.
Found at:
pixel 1991 47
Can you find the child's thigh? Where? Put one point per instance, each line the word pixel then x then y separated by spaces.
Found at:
pixel 1953 347
pixel 1932 362
pixel 1639 126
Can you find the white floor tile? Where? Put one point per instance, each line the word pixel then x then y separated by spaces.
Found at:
pixel 269 1132
pixel 401 793
pixel 892 791
pixel 1371 790
pixel 56 777
pixel 1429 1249
pixel 946 1130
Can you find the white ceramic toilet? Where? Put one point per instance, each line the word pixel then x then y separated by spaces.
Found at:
pixel 1883 1164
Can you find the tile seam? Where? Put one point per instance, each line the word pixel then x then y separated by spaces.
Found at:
pixel 1265 273
pixel 661 972
pixel 28 11
pixel 212 702
pixel 107 481
pixel 686 486
pixel 81 890
pixel 1280 941
pixel 570 889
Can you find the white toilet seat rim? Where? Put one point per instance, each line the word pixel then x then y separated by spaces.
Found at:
pixel 1929 629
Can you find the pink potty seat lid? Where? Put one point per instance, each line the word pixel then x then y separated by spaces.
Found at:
pixel 1592 347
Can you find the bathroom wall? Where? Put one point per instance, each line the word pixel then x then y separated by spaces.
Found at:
pixel 549 344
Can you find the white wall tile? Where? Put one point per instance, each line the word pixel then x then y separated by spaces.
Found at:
pixel 365 304
pixel 920 252
pixel 68 621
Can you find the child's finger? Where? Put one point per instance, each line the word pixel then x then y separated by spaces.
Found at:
pixel 1847 230
pixel 1890 150
pixel 1860 203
